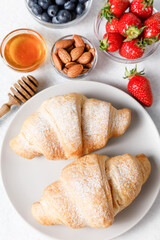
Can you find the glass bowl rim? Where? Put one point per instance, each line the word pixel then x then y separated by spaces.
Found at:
pixel 61 25
pixel 120 59
pixel 19 31
pixel 81 75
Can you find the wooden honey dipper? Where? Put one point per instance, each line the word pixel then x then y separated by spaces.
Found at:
pixel 24 90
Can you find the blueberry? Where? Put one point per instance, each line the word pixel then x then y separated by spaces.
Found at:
pixel 44 3
pixel 32 2
pixel 69 5
pixel 60 2
pixel 83 1
pixel 74 1
pixel 64 16
pixel 55 20
pixel 36 9
pixel 73 15
pixel 80 8
pixel 52 10
pixel 45 17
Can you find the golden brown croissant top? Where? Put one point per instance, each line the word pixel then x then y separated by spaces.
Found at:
pixel 69 126
pixel 92 190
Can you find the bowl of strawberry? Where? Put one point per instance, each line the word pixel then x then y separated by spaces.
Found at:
pixel 128 32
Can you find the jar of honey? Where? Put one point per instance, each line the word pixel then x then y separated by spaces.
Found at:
pixel 23 50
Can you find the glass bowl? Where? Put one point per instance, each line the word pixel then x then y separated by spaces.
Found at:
pixel 8 54
pixel 99 30
pixel 94 62
pixel 62 25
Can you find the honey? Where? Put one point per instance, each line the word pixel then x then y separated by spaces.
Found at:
pixel 24 51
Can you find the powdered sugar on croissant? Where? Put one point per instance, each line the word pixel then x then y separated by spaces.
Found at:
pixel 92 190
pixel 69 126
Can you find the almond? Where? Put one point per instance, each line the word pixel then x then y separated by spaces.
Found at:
pixel 87 47
pixel 70 64
pixel 76 53
pixel 78 41
pixel 85 58
pixel 64 55
pixel 57 62
pixel 92 51
pixel 64 43
pixel 85 70
pixel 65 70
pixel 75 70
pixel 69 48
pixel 88 65
pixel 56 51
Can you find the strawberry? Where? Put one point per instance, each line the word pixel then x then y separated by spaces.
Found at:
pixel 130 26
pixel 111 42
pixel 114 8
pixel 139 86
pixel 113 26
pixel 152 30
pixel 142 8
pixel 132 49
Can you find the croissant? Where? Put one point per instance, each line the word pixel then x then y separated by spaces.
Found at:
pixel 92 190
pixel 69 126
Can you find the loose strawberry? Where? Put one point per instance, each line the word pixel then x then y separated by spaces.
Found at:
pixel 152 30
pixel 132 49
pixel 142 8
pixel 113 26
pixel 111 42
pixel 130 26
pixel 114 8
pixel 139 86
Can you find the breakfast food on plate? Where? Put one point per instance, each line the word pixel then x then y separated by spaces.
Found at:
pixel 139 28
pixel 69 126
pixel 58 11
pixel 73 56
pixel 139 86
pixel 92 190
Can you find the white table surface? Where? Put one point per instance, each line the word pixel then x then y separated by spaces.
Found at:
pixel 13 15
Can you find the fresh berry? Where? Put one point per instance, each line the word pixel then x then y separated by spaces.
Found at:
pixel 114 8
pixel 44 3
pixel 45 17
pixel 139 86
pixel 36 9
pixel 80 8
pixel 74 1
pixel 60 2
pixel 73 15
pixel 32 2
pixel 152 30
pixel 55 20
pixel 130 26
pixel 52 10
pixel 111 42
pixel 132 49
pixel 113 26
pixel 64 16
pixel 142 8
pixel 69 5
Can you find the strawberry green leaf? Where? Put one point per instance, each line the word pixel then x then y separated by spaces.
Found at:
pixel 104 44
pixel 133 32
pixel 133 72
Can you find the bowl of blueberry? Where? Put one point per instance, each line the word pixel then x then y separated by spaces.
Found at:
pixel 58 13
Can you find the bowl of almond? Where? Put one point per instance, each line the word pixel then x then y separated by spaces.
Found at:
pixel 73 56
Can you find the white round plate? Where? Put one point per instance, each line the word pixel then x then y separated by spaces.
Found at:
pixel 25 180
